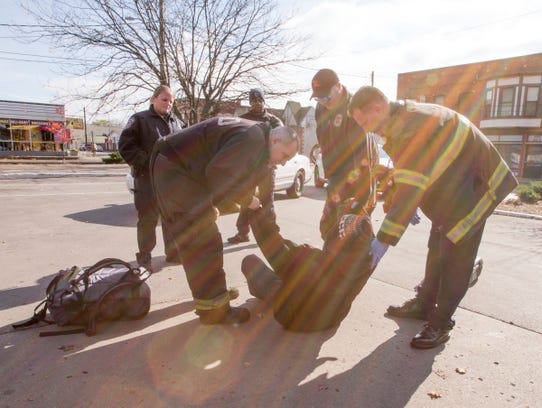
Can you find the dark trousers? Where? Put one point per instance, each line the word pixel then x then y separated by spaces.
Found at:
pixel 266 194
pixel 243 226
pixel 187 208
pixel 311 289
pixel 147 220
pixel 447 272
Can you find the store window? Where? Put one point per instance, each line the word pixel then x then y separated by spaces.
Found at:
pixel 509 147
pixel 533 162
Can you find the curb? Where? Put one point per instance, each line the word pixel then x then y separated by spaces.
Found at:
pixel 518 215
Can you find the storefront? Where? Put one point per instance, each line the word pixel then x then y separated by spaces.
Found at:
pixel 32 127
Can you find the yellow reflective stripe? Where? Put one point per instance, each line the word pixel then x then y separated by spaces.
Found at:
pixel 451 152
pixel 497 178
pixel 391 228
pixel 460 229
pixel 211 304
pixel 410 177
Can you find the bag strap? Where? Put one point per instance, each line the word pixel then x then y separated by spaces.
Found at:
pixel 38 316
pixel 61 332
pixel 99 265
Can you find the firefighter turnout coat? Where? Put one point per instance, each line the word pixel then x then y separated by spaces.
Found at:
pixel 444 165
pixel 349 156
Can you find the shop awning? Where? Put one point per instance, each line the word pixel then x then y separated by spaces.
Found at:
pixel 24 127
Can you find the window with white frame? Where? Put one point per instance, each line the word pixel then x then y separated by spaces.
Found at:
pixel 505 105
pixel 513 97
pixel 531 101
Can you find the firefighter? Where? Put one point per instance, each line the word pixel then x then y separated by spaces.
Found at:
pixel 349 155
pixel 449 169
pixel 193 172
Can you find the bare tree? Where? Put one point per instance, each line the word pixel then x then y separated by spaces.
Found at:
pixel 208 51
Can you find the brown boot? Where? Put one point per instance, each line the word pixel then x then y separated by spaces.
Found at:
pixel 224 315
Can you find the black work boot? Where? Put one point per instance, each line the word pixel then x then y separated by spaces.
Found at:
pixel 224 315
pixel 144 260
pixel 431 336
pixel 413 308
pixel 262 282
pixel 238 238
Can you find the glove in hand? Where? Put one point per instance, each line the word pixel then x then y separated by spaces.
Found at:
pixel 415 219
pixel 378 249
pixel 347 225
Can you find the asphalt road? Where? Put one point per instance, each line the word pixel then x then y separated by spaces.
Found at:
pixel 55 216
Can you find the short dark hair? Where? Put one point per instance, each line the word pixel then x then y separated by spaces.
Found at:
pixel 365 97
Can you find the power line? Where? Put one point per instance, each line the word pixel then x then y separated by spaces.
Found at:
pixel 40 56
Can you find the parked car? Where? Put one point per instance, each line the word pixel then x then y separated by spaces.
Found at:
pixel 319 174
pixel 291 177
pixel 87 147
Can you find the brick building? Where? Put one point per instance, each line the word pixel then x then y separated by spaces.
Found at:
pixel 502 97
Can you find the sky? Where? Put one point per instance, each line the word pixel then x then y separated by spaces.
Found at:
pixel 358 39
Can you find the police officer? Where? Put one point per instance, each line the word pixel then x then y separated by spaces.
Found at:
pixel 135 146
pixel 257 113
pixel 447 167
pixel 194 171
pixel 349 155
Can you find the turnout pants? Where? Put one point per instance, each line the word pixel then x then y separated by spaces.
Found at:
pixel 447 273
pixel 186 206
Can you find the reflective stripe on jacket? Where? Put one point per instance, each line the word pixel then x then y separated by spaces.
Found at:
pixel 445 166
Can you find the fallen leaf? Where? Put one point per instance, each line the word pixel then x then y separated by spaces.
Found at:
pixel 441 374
pixel 434 395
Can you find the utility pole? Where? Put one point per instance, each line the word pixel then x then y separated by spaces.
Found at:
pixel 164 77
pixel 85 125
pixel 372 78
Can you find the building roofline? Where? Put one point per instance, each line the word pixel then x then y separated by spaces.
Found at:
pixel 474 63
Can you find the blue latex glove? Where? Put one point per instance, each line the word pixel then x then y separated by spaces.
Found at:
pixel 415 219
pixel 378 249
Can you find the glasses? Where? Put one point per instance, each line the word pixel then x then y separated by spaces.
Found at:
pixel 323 99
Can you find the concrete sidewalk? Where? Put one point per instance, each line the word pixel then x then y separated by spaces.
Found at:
pixel 169 360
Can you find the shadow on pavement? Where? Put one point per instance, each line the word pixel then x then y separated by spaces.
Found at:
pixel 124 215
pixel 27 295
pixel 169 359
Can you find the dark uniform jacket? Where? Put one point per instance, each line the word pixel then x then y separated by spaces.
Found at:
pixel 228 155
pixel 264 116
pixel 318 286
pixel 348 156
pixel 267 185
pixel 139 135
pixel 444 165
